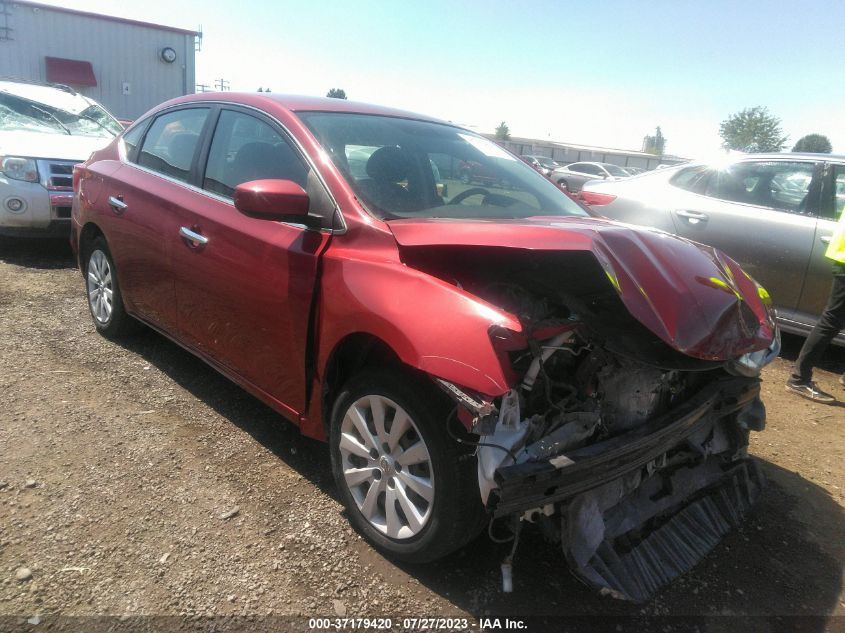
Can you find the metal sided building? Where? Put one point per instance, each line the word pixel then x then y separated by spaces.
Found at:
pixel 127 65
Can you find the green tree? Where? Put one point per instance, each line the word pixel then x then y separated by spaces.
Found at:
pixel 336 93
pixel 815 143
pixel 752 130
pixel 655 144
pixel 503 132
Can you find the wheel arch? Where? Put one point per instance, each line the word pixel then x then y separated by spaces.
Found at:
pixel 90 232
pixel 352 353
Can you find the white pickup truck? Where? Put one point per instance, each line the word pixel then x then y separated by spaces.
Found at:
pixel 44 131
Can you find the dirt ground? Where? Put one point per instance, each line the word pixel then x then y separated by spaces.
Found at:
pixel 136 481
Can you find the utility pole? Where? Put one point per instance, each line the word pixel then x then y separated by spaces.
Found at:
pixel 221 84
pixel 203 88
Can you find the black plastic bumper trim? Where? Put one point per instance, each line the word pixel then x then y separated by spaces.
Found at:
pixel 534 484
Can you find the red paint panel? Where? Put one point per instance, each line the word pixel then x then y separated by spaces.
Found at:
pixel 244 298
pixel 664 281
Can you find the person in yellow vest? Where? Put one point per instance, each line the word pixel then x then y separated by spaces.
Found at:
pixel 831 322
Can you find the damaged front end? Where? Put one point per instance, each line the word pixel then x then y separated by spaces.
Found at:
pixel 635 471
pixel 627 449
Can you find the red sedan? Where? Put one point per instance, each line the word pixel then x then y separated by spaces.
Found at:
pixel 487 356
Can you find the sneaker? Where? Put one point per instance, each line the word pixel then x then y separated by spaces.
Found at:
pixel 810 391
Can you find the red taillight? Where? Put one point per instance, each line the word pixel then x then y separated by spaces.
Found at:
pixel 77 175
pixel 595 199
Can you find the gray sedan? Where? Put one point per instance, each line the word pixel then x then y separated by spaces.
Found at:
pixel 573 176
pixel 773 213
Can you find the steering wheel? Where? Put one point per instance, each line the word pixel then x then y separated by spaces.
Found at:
pixel 469 192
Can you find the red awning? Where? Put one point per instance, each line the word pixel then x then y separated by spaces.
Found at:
pixel 73 72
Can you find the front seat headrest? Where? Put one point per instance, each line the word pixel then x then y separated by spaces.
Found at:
pixel 389 164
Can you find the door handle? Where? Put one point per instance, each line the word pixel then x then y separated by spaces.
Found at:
pixel 195 238
pixel 117 204
pixel 825 239
pixel 693 215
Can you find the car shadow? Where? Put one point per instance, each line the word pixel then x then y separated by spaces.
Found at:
pixel 782 570
pixel 50 253
pixel 310 458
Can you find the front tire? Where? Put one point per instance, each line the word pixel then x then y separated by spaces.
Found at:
pixel 104 299
pixel 406 485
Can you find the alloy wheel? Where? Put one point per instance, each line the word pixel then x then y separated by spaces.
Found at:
pixel 387 467
pixel 100 287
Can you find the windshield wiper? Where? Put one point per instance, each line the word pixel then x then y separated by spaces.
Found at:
pixel 35 105
pixel 54 117
pixel 82 115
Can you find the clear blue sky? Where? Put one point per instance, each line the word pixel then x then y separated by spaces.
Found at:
pixel 594 72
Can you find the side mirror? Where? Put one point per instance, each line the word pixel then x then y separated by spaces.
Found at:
pixel 272 200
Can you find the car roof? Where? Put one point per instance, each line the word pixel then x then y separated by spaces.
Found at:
pixel 300 103
pixel 791 155
pixel 772 156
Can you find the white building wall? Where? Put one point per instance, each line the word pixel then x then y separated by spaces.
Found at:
pixel 119 52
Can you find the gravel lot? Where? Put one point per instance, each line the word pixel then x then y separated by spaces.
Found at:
pixel 135 480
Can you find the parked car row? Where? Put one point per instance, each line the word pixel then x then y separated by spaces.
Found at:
pixel 572 177
pixel 470 355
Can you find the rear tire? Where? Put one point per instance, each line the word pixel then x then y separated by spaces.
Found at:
pixel 103 291
pixel 407 486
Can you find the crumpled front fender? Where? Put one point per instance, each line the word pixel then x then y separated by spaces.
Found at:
pixel 432 325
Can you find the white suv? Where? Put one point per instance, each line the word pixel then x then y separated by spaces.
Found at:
pixel 44 131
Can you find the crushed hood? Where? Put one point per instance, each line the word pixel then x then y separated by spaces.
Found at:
pixel 693 297
pixel 55 146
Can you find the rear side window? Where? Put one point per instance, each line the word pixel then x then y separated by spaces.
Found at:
pixel 780 185
pixel 691 179
pixel 245 148
pixel 133 137
pixel 171 142
pixel 838 190
pixel 584 169
pixel 618 172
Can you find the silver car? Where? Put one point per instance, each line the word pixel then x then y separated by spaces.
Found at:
pixel 773 213
pixel 573 176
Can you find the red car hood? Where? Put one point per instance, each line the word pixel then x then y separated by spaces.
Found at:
pixel 695 298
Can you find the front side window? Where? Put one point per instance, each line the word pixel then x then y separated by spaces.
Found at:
pixel 245 148
pixel 171 141
pixel 781 185
pixel 584 168
pixel 402 168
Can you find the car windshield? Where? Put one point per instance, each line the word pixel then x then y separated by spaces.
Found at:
pixel 613 170
pixel 402 168
pixel 22 114
pixel 546 162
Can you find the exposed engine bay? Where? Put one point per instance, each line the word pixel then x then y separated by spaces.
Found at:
pixel 629 455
